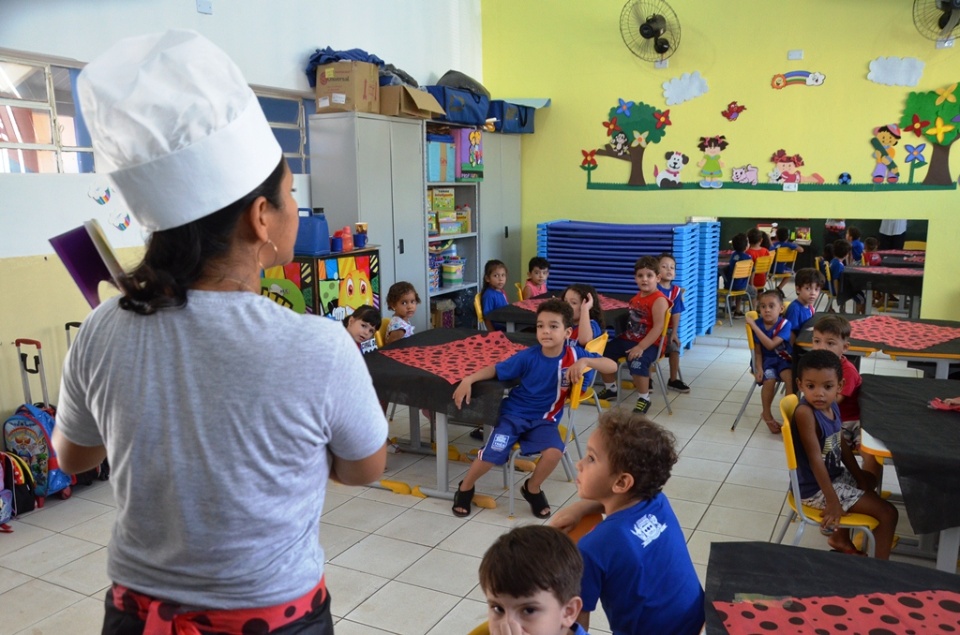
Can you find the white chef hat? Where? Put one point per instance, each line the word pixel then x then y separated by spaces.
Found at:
pixel 176 124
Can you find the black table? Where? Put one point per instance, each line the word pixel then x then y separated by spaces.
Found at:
pixel 925 446
pixel 513 315
pixel 738 569
pixel 407 385
pixel 898 281
pixel 907 262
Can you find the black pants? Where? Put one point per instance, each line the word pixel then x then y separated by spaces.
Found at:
pixel 891 242
pixel 318 622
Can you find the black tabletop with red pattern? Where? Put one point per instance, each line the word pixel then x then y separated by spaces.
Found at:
pixel 895 280
pixel 893 335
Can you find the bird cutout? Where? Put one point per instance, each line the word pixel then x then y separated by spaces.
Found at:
pixel 732 111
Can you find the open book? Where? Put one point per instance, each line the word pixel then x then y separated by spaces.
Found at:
pixel 88 256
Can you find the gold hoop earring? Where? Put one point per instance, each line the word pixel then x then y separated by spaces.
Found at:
pixel 276 255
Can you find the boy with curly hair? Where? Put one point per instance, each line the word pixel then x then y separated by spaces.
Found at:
pixel 636 560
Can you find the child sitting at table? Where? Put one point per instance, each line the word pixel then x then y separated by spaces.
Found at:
pixel 532 410
pixel 362 325
pixel 636 560
pixel 668 273
pixel 739 244
pixel 492 295
pixel 870 256
pixel 640 343
pixel 531 579
pixel 807 283
pixel 856 246
pixel 784 242
pixel 585 302
pixel 537 274
pixel 402 299
pixel 772 351
pixel 841 250
pixel 827 471
pixel 757 250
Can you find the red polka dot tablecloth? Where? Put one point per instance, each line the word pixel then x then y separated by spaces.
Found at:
pixel 886 271
pixel 869 614
pixel 901 333
pixel 455 360
pixel 606 304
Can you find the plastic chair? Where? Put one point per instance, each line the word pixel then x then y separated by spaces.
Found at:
pixel 762 265
pixel 661 382
pixel 827 290
pixel 915 245
pixel 809 515
pixel 481 325
pixel 586 393
pixel 382 333
pixel 788 258
pixel 741 271
pixel 519 287
pixel 753 384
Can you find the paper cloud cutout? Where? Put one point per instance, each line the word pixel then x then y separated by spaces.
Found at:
pixel 815 79
pixel 684 88
pixel 896 71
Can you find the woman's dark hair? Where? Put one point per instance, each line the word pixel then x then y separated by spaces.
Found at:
pixel 739 242
pixel 398 290
pixel 489 268
pixel 176 258
pixel 583 290
pixel 639 447
pixel 367 314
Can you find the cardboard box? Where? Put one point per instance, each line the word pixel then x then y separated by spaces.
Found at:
pixel 449 227
pixel 441 162
pixel 444 199
pixel 347 86
pixel 403 101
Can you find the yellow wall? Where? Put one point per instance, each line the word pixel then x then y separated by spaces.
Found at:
pixel 572 52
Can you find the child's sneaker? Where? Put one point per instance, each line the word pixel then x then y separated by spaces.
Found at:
pixel 678 385
pixel 642 406
pixel 477 433
pixel 738 315
pixel 607 394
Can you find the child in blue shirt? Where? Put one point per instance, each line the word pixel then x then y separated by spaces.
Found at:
pixel 492 295
pixel 739 243
pixel 531 578
pixel 585 302
pixel 856 245
pixel 772 352
pixel 783 241
pixel 532 410
pixel 636 560
pixel 841 249
pixel 807 282
pixel 668 272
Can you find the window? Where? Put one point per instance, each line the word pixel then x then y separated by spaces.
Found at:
pixel 288 120
pixel 40 125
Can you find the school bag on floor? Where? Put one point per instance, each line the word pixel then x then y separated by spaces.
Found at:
pixel 16 489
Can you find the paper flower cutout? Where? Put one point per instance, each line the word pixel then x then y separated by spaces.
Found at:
pixel 589 158
pixel 917 126
pixel 939 129
pixel 625 107
pixel 663 118
pixel 946 94
pixel 640 139
pixel 915 153
pixel 778 81
pixel 611 126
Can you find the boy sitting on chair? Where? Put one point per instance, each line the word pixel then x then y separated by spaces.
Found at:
pixel 531 577
pixel 532 410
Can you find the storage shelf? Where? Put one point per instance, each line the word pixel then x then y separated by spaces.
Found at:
pixel 446 290
pixel 441 237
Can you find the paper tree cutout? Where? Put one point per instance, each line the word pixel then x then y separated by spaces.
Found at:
pixel 935 115
pixel 630 131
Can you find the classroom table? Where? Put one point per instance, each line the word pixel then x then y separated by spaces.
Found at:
pixel 514 315
pixel 896 280
pixel 771 588
pixel 908 262
pixel 900 252
pixel 413 385
pixel 925 446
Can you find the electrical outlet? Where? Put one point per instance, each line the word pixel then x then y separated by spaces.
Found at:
pixel 661 64
pixel 795 54
pixel 945 44
pixel 205 6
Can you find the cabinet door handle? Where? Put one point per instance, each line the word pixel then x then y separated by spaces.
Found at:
pixel 401 245
pixel 506 232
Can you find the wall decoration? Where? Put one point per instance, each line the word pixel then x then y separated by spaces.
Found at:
pixel 100 194
pixel 941 108
pixel 669 177
pixel 787 169
pixel 711 165
pixel 797 78
pixel 684 88
pixel 629 134
pixel 745 174
pixel 895 71
pixel 732 111
pixel 844 178
pixel 335 285
pixel 885 168
pixel 120 220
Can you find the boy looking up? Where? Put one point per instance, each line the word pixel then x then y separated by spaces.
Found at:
pixel 640 343
pixel 532 410
pixel 668 272
pixel 537 274
pixel 636 560
pixel 531 577
pixel 807 283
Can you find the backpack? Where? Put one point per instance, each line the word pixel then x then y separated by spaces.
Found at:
pixel 16 488
pixel 27 434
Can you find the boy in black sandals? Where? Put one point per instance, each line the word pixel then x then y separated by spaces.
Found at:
pixel 533 408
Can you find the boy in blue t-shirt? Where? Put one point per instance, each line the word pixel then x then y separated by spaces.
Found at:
pixel 636 560
pixel 807 282
pixel 772 352
pixel 532 410
pixel 856 245
pixel 739 243
pixel 668 272
pixel 531 578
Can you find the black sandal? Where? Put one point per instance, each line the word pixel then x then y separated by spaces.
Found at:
pixel 463 500
pixel 538 502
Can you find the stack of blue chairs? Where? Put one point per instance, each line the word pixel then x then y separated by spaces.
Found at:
pixel 709 251
pixel 686 251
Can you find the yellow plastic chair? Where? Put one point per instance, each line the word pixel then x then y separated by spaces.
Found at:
pixel 661 382
pixel 762 265
pixel 378 338
pixel 827 290
pixel 481 323
pixel 809 515
pixel 915 245
pixel 519 287
pixel 753 384
pixel 741 271
pixel 382 333
pixel 585 393
pixel 788 258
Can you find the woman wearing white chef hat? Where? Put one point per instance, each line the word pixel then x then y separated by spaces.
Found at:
pixel 222 413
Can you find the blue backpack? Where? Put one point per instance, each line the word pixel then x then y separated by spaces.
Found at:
pixel 27 434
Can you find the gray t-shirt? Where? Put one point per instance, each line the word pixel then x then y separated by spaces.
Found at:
pixel 217 419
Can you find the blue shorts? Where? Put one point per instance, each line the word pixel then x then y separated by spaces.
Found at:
pixel 534 436
pixel 618 347
pixel 773 366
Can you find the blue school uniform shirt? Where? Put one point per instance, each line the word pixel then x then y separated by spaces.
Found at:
pixel 492 299
pixel 798 314
pixel 675 296
pixel 636 562
pixel 728 272
pixel 543 382
pixel 836 270
pixel 856 250
pixel 780 266
pixel 780 328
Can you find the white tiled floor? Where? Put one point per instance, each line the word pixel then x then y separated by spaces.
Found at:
pixel 401 564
